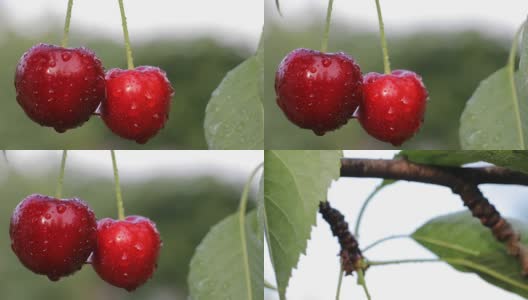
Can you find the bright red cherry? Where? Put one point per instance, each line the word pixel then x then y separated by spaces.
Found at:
pixel 127 251
pixel 59 87
pixel 52 237
pixel 318 91
pixel 138 102
pixel 393 105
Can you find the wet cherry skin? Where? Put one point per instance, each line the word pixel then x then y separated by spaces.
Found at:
pixel 127 251
pixel 138 102
pixel 52 237
pixel 59 87
pixel 318 91
pixel 393 105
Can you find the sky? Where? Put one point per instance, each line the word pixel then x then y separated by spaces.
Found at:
pixel 498 17
pixel 398 209
pixel 240 22
pixel 231 21
pixel 230 166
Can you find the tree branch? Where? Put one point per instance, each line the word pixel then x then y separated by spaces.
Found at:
pixel 402 169
pixel 498 175
pixel 462 181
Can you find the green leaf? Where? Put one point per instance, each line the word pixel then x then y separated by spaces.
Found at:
pixel 468 246
pixel 260 208
pixel 260 64
pixel 489 121
pixel 294 184
pixel 496 116
pixel 515 159
pixel 522 82
pixel 234 117
pixel 216 270
pixel 523 63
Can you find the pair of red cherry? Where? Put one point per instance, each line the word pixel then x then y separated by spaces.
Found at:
pixel 55 237
pixel 62 87
pixel 322 91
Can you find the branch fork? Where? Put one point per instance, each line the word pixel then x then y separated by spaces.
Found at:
pixel 462 181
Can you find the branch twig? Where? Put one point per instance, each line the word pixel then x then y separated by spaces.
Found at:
pixel 462 181
pixel 351 257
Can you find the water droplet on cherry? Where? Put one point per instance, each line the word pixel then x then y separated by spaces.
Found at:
pixel 61 209
pixel 66 56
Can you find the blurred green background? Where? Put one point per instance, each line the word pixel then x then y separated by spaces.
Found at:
pixel 183 208
pixel 451 64
pixel 194 66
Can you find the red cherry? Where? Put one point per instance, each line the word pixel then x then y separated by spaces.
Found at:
pixel 318 91
pixel 393 105
pixel 52 237
pixel 127 251
pixel 138 102
pixel 59 87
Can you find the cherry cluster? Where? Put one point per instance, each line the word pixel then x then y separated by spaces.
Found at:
pixel 322 91
pixel 56 237
pixel 63 87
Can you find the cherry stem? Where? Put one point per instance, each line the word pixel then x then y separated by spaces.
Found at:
pixel 242 224
pixel 324 43
pixel 339 282
pixel 58 193
pixel 119 198
pixel 454 261
pixel 130 60
pixel 64 42
pixel 384 48
pixel 277 4
pixel 511 75
pixel 269 285
pixel 385 239
pixel 364 208
pixel 245 192
pixel 403 261
pixel 362 282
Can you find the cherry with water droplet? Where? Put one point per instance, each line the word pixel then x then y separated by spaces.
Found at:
pixel 393 105
pixel 135 101
pixel 52 237
pixel 59 87
pixel 318 91
pixel 127 251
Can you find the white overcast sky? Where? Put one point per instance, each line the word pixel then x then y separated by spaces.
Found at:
pixel 498 17
pixel 230 166
pixel 232 21
pixel 399 209
pixel 240 21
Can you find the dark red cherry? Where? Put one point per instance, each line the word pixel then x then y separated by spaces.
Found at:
pixel 393 105
pixel 318 91
pixel 127 251
pixel 52 237
pixel 138 102
pixel 59 87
